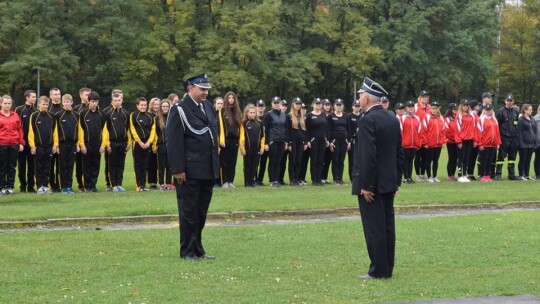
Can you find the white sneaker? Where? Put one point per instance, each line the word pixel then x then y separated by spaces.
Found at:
pixel 231 185
pixel 47 190
pixel 431 180
pixel 3 191
pixel 436 180
pixel 420 178
pixel 225 185
pixel 9 191
pixel 463 179
pixel 41 191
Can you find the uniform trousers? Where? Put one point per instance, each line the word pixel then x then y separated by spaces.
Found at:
pixel 524 165
pixel 318 147
pixel 91 166
pixel 275 153
pixel 152 174
pixel 283 166
pixel 420 161
pixel 140 164
pixel 509 148
pixel 8 164
pixel 54 177
pixel 164 171
pixel 350 157
pixel 338 158
pixel 408 163
pixel 327 160
pixel 79 172
pixel 262 166
pixel 378 222
pixel 537 162
pixel 486 160
pixel 251 160
pixel 463 156
pixel 432 161
pixel 68 153
pixel 117 161
pixel 228 156
pixel 452 158
pixel 295 159
pixel 304 164
pixel 107 171
pixel 26 169
pixel 472 161
pixel 42 165
pixel 193 198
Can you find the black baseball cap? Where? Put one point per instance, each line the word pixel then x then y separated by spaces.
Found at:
pixel 487 94
pixel 410 103
pixel 399 105
pixel 510 97
pixel 423 93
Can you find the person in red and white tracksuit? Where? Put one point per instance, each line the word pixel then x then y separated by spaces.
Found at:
pixel 489 140
pixel 434 139
pixel 421 109
pixel 411 136
pixel 450 131
pixel 11 143
pixel 466 138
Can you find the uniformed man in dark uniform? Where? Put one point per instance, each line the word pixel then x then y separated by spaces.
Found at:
pixel 376 178
pixel 507 117
pixel 25 158
pixel 192 149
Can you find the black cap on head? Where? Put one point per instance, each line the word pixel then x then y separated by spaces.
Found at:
pixel 488 107
pixel 423 93
pixel 487 94
pixel 326 101
pixel 399 105
pixel 283 102
pixel 473 103
pixel 410 103
pixel 304 106
pixel 316 100
pixel 372 88
pixel 276 99
pixel 510 97
pixel 297 100
pixel 435 104
pixel 338 101
pixel 384 99
pixel 260 102
pixel 464 102
pixel 452 106
pixel 200 81
pixel 356 103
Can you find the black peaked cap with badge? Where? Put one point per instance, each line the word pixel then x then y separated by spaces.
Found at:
pixel 372 88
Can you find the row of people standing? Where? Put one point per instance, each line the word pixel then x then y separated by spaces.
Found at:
pixel 58 137
pixel 322 137
pixel 472 133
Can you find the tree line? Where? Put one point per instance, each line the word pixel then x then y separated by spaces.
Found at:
pixel 263 48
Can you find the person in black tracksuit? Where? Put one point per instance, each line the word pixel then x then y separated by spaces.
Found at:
pixel 230 125
pixel 527 139
pixel 264 156
pixel 328 110
pixel 507 117
pixel 41 141
pixel 286 154
pixel 160 147
pixel 143 130
pixel 339 140
pixel 83 94
pixel 91 143
pixel 275 126
pixel 25 158
pixel 297 144
pixel 251 144
pixel 305 154
pixel 54 107
pixel 66 135
pixel 117 138
pixel 153 166
pixel 352 125
pixel 317 136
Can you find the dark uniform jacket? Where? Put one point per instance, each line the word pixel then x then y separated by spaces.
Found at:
pixel 91 128
pixel 117 125
pixel 378 155
pixel 508 121
pixel 41 131
pixel 24 111
pixel 194 154
pixel 67 126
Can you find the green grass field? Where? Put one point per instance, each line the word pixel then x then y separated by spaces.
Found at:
pixel 445 257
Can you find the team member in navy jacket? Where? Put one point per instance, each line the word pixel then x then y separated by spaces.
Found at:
pixel 317 136
pixel 66 135
pixel 277 138
pixel 25 158
pixel 339 141
pixel 297 145
pixel 376 178
pixel 143 130
pixel 527 140
pixel 192 149
pixel 251 144
pixel 352 124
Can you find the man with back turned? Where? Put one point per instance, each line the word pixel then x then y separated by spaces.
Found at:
pixel 376 177
pixel 191 136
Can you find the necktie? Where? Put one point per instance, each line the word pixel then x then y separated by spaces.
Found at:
pixel 202 108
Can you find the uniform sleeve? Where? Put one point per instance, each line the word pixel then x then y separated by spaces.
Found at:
pixel 266 124
pixel 367 156
pixel 31 141
pixel 174 135
pixel 221 135
pixel 308 128
pixel 132 128
pixel 55 136
pixel 242 138
pixel 81 133
pixel 105 135
pixel 263 138
pixel 20 131
pixel 153 134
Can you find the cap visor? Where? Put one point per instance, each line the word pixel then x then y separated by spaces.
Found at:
pixel 203 85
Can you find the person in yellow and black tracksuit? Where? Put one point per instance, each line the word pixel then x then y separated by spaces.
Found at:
pixel 159 147
pixel 91 123
pixel 41 141
pixel 251 144
pixel 143 129
pixel 55 106
pixel 83 94
pixel 230 127
pixel 25 158
pixel 66 136
pixel 117 139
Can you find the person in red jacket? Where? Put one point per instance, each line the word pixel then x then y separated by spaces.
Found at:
pixel 433 141
pixel 489 140
pixel 465 138
pixel 11 142
pixel 421 109
pixel 411 134
pixel 450 131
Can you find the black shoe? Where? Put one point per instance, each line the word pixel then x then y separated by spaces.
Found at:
pixel 497 177
pixel 513 177
pixel 94 190
pixel 23 190
pixel 207 257
pixel 366 277
pixel 191 258
pixel 31 190
pixel 282 183
pixel 471 177
pixel 259 183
